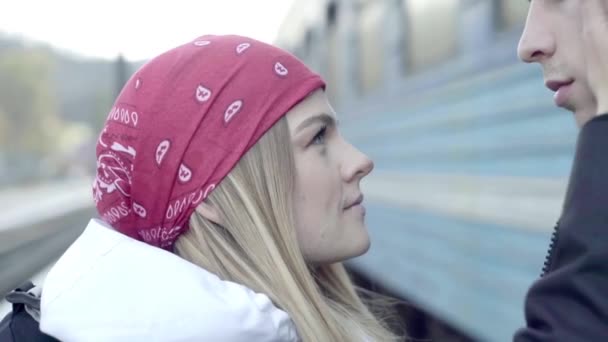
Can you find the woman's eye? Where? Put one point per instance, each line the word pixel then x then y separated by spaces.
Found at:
pixel 320 136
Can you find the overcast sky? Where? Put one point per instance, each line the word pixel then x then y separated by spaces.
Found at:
pixel 136 28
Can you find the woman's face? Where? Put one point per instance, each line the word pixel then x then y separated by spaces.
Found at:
pixel 330 218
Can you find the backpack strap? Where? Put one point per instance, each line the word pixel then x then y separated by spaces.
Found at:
pixel 26 298
pixel 23 323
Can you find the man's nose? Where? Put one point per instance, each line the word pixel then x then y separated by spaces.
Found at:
pixel 537 41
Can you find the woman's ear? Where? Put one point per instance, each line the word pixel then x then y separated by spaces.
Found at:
pixel 209 212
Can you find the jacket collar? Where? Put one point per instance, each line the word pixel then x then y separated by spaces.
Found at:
pixel 110 287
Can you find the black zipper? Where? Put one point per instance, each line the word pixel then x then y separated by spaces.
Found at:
pixel 551 252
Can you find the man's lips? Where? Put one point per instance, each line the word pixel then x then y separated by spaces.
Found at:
pixel 562 90
pixel 555 85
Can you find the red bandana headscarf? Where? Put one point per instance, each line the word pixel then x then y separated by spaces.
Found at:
pixel 182 122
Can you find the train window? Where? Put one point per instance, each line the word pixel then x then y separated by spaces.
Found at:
pixel 432 35
pixel 371 47
pixel 308 41
pixel 332 12
pixel 335 69
pixel 512 14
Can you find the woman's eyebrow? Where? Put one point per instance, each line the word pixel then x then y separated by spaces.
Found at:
pixel 325 118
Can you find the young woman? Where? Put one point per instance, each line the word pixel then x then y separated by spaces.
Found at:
pixel 227 200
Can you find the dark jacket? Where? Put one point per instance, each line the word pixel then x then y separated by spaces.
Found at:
pixel 570 301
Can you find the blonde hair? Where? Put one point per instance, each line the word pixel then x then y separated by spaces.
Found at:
pixel 257 247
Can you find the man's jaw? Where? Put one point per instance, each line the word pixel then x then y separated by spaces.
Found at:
pixel 583 115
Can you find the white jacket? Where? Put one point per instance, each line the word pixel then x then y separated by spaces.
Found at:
pixel 109 287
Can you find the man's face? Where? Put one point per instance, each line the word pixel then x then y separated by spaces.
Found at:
pixel 552 38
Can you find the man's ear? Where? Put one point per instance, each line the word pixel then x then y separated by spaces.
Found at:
pixel 209 212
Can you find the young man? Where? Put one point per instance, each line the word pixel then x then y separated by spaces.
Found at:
pixel 569 39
